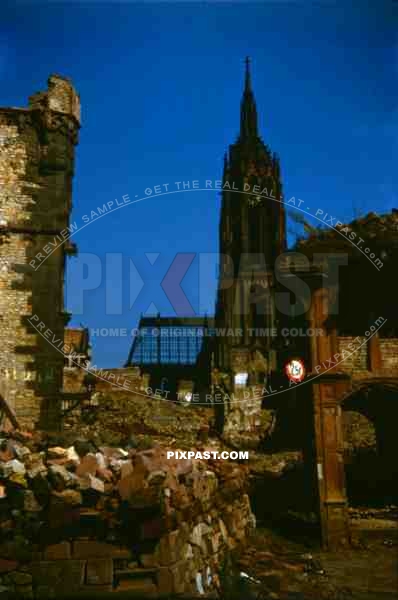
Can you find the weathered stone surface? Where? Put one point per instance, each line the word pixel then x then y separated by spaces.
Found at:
pixel 99 571
pixel 56 452
pixel 11 467
pixel 61 551
pixel 53 576
pixel 164 581
pixel 178 571
pixel 69 497
pixel 92 549
pixel 89 482
pixel 36 170
pixel 126 468
pixel 30 502
pixel 20 578
pixel 149 560
pixel 200 530
pixel 34 464
pixel 168 548
pixel 60 477
pixel 141 588
pixel 87 466
pixel 7 565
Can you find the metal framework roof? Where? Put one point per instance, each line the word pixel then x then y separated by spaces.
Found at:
pixel 169 340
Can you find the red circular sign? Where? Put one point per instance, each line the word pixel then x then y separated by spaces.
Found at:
pixel 295 370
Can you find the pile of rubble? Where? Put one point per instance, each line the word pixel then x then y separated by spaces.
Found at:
pixel 118 416
pixel 115 519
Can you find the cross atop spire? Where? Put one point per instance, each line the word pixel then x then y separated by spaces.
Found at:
pixel 248 111
pixel 247 75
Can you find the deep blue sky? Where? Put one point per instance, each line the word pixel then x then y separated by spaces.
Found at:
pixel 160 87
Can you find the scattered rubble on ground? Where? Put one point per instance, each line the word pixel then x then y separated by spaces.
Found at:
pixel 273 567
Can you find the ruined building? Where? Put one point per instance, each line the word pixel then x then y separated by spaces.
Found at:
pixel 352 368
pixel 37 147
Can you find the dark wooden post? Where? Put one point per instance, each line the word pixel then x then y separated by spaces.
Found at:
pixel 327 389
pixel 333 507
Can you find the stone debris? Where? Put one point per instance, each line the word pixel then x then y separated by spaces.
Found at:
pixel 119 519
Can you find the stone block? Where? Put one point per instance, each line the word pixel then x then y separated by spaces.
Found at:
pixel 87 466
pixel 92 549
pixel 178 574
pixel 200 530
pixel 91 591
pixel 21 578
pixel 69 497
pixel 89 482
pixel 99 571
pixel 164 579
pixel 61 551
pixel 12 467
pixel 56 452
pixel 138 588
pixel 30 502
pixel 59 476
pixel 126 468
pixel 169 547
pixel 53 576
pixel 156 477
pixel 149 560
pixel 7 565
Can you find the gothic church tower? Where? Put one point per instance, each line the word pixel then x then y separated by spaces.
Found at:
pixel 252 235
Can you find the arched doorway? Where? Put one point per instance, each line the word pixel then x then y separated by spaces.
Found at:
pixel 370 420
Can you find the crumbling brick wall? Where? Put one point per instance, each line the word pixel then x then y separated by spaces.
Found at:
pixel 358 361
pixel 389 352
pixel 355 361
pixel 36 170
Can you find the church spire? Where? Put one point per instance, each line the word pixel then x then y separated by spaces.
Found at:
pixel 248 111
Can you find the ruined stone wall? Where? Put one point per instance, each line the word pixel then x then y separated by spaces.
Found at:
pixel 355 361
pixel 389 352
pixel 358 361
pixel 73 380
pixel 245 421
pixel 36 170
